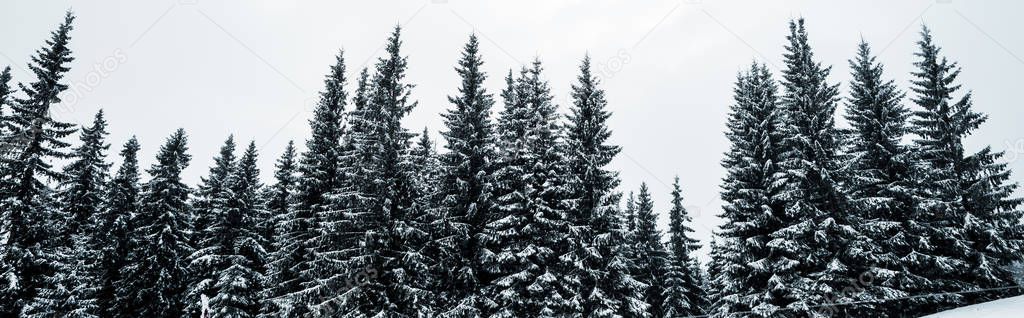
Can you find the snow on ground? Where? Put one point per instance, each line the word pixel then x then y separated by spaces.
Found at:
pixel 1007 307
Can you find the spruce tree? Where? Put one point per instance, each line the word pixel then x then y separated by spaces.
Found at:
pixel 607 288
pixel 977 221
pixel 381 197
pixel 70 290
pixel 651 259
pixel 240 279
pixel 426 169
pixel 115 222
pixel 311 232
pixel 278 199
pixel 526 239
pixel 464 189
pixel 154 282
pixel 743 262
pixel 817 231
pixel 683 284
pixel 209 207
pixel 882 188
pixel 81 193
pixel 26 172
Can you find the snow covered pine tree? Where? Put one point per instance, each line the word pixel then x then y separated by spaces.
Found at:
pixel 35 138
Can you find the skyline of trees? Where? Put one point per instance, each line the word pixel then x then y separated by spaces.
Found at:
pixel 519 214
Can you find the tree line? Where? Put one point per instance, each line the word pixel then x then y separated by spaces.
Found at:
pixel 520 215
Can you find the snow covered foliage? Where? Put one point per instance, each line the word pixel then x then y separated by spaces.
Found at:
pixel 518 213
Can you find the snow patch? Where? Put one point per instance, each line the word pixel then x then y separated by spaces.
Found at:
pixel 1007 307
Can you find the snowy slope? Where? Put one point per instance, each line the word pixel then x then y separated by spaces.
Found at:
pixel 1008 307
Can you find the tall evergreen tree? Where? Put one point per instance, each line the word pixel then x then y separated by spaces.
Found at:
pixel 881 186
pixel 209 207
pixel 278 203
pixel 464 190
pixel 115 223
pixel 26 171
pixel 526 240
pixel 607 288
pixel 381 195
pixel 70 290
pixel 683 284
pixel 969 196
pixel 822 252
pixel 652 258
pixel 311 230
pixel 81 193
pixel 744 263
pixel 154 282
pixel 240 280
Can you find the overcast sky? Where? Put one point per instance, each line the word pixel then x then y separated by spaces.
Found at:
pixel 253 68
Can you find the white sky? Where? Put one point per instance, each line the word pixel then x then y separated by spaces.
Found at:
pixel 253 68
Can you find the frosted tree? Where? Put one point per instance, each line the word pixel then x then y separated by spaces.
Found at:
pixel 308 233
pixel 652 260
pixel 606 287
pixel 817 231
pixel 70 290
pixel 684 293
pixel 524 241
pixel 81 193
pixel 742 262
pixel 383 200
pixel 115 220
pixel 242 257
pixel 464 189
pixel 426 169
pixel 977 221
pixel 153 284
pixel 26 172
pixel 278 199
pixel 209 207
pixel 882 188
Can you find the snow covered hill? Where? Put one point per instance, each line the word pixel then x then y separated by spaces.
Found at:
pixel 1008 307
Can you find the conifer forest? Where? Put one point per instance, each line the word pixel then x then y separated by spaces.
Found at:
pixel 855 199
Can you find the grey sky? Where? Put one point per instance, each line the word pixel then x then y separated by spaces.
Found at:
pixel 253 68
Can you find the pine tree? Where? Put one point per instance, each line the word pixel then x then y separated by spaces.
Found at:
pixel 26 170
pixel 743 260
pixel 525 246
pixel 652 258
pixel 81 193
pixel 209 207
pixel 882 188
pixel 683 290
pixel 115 221
pixel 822 254
pixel 312 230
pixel 607 288
pixel 70 290
pixel 464 189
pixel 382 197
pixel 154 282
pixel 239 282
pixel 426 168
pixel 977 223
pixel 278 203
